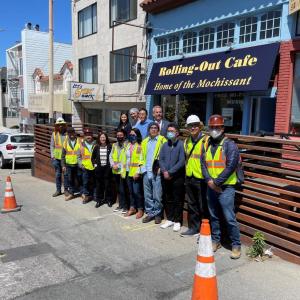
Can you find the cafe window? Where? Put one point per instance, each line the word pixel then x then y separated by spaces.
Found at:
pixel 123 65
pixel 206 38
pixel 173 45
pixel 189 42
pixel 248 30
pixel 162 48
pixel 87 21
pixel 122 10
pixel 88 69
pixel 270 25
pixel 225 34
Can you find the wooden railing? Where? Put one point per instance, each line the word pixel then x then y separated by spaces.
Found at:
pixel 268 201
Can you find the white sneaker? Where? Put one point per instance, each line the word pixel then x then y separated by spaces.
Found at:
pixel 176 227
pixel 166 224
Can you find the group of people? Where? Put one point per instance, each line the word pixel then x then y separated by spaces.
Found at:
pixel 152 170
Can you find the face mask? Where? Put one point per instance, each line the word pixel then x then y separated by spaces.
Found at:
pixel 171 136
pixel 120 139
pixel 132 138
pixel 215 133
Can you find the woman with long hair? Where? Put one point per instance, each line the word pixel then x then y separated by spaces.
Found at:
pixel 124 123
pixel 134 159
pixel 103 174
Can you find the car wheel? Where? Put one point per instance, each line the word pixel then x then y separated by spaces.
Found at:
pixel 2 161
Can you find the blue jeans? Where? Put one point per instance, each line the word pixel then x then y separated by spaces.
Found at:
pixel 223 202
pixel 153 195
pixel 74 178
pixel 56 163
pixel 135 192
pixel 88 185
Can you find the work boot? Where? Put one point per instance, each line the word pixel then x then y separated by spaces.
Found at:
pixel 99 203
pixel 216 246
pixel 86 199
pixel 147 219
pixel 57 193
pixel 139 214
pixel 236 252
pixel 131 212
pixel 66 193
pixel 70 197
pixel 157 219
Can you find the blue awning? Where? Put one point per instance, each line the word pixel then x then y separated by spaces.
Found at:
pixel 247 69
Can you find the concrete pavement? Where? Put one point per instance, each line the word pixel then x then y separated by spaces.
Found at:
pixel 65 250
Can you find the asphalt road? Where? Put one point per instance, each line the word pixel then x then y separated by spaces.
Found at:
pixel 65 250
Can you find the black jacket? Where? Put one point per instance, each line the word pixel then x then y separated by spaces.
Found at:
pixel 96 160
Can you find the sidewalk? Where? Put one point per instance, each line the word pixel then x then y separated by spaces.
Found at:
pixel 65 250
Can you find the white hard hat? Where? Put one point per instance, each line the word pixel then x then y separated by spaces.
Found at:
pixel 60 120
pixel 192 119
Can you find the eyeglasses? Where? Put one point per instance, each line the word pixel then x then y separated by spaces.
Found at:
pixel 193 125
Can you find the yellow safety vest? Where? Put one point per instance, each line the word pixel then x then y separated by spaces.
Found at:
pixel 71 154
pixel 216 164
pixel 136 159
pixel 119 158
pixel 86 156
pixel 193 163
pixel 57 145
pixel 160 141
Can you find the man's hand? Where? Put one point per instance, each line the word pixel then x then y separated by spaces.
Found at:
pixel 212 186
pixel 167 175
pixel 64 169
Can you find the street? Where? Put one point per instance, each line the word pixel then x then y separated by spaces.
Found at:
pixel 54 249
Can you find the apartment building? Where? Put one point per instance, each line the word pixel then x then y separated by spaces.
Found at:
pixel 109 57
pixel 22 59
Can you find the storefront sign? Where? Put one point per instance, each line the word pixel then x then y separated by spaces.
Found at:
pixel 85 91
pixel 294 6
pixel 227 113
pixel 247 69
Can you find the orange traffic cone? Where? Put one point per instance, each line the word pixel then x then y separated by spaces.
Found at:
pixel 205 280
pixel 10 203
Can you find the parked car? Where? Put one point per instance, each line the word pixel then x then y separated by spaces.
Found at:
pixel 18 145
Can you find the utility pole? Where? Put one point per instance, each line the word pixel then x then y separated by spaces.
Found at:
pixel 51 92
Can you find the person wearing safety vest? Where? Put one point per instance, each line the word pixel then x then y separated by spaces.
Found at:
pixel 134 161
pixel 117 158
pixel 69 161
pixel 194 183
pixel 151 174
pixel 86 165
pixel 220 161
pixel 56 144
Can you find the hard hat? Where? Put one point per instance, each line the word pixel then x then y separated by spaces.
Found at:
pixel 60 120
pixel 216 120
pixel 192 119
pixel 87 131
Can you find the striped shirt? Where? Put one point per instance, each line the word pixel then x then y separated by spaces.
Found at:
pixel 103 155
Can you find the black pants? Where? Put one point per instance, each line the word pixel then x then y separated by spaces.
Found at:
pixel 103 184
pixel 122 191
pixel 173 191
pixel 197 202
pixel 73 178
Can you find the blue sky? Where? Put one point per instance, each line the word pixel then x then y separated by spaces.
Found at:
pixel 15 13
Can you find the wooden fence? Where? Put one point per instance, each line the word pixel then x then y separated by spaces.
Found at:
pixel 268 201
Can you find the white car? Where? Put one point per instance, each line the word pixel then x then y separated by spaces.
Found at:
pixel 18 145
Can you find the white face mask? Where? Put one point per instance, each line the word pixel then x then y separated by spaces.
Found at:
pixel 215 133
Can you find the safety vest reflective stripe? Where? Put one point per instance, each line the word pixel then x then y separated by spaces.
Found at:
pixel 197 156
pixel 83 157
pixel 57 145
pixel 86 157
pixel 71 152
pixel 205 270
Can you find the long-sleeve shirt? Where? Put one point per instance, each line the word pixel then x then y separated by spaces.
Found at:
pixel 143 127
pixel 172 158
pixel 52 143
pixel 149 157
pixel 232 159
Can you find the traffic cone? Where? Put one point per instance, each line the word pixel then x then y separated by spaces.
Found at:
pixel 10 203
pixel 205 280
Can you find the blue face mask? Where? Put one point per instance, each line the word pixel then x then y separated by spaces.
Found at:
pixel 171 135
pixel 132 138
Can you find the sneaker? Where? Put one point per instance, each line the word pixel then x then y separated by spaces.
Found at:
pixel 216 246
pixel 236 252
pixel 189 233
pixel 147 219
pixel 166 224
pixel 124 211
pixel 57 193
pixel 117 209
pixel 176 226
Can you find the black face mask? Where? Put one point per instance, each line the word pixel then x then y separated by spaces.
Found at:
pixel 120 140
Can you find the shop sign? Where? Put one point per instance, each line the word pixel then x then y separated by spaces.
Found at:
pixel 227 113
pixel 247 69
pixel 294 6
pixel 85 91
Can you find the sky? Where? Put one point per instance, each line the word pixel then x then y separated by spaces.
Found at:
pixel 14 14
